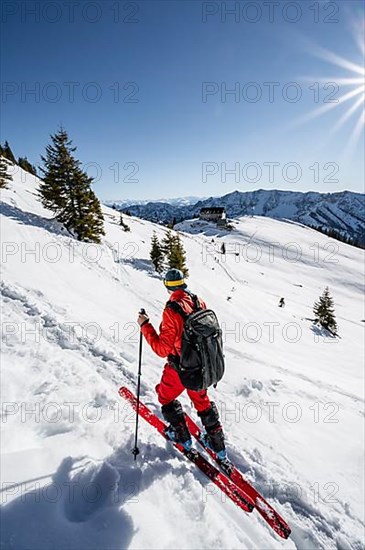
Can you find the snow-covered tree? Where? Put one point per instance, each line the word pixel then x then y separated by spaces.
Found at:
pixel 324 312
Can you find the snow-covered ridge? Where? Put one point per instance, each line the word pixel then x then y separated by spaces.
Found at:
pixel 291 400
pixel 344 211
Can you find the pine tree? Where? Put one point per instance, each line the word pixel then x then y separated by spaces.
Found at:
pixel 85 217
pixel 123 224
pixel 324 312
pixel 166 244
pixel 4 176
pixel 173 250
pixel 66 190
pixel 24 163
pixel 171 225
pixel 57 174
pixel 156 253
pixel 8 153
pixel 177 256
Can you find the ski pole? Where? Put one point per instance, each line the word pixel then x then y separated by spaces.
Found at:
pixel 135 450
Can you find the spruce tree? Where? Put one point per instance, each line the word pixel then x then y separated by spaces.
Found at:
pixel 171 225
pixel 324 312
pixel 166 244
pixel 177 256
pixel 156 253
pixel 24 163
pixel 85 215
pixel 60 165
pixel 66 190
pixel 8 153
pixel 123 224
pixel 173 250
pixel 4 176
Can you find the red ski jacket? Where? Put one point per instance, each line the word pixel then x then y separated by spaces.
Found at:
pixel 171 328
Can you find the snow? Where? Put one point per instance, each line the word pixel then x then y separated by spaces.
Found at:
pixel 291 400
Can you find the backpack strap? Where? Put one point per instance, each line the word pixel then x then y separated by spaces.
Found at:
pixel 196 302
pixel 175 306
pixel 195 299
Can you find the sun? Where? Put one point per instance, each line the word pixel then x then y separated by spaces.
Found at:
pixel 354 84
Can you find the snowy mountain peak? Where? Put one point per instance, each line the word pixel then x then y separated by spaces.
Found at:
pixel 178 201
pixel 343 211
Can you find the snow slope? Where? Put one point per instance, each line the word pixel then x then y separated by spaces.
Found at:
pixel 291 400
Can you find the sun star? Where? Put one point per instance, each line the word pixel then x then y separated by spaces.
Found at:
pixel 354 97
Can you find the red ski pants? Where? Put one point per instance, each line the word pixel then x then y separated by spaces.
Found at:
pixel 170 387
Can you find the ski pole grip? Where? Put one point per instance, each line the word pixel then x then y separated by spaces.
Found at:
pixel 142 311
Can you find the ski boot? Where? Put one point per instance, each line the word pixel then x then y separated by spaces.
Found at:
pixel 177 430
pixel 213 437
pixel 222 459
pixel 174 434
pixel 225 464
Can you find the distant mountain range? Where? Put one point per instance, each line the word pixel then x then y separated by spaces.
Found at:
pixel 179 201
pixel 343 211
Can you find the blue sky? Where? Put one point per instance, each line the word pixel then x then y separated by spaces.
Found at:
pixel 129 88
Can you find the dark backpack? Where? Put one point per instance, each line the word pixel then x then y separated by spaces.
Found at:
pixel 201 363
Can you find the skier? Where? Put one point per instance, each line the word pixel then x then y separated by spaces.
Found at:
pixel 168 344
pixel 281 302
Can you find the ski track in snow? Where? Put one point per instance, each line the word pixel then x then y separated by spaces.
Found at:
pixel 63 336
pixel 162 501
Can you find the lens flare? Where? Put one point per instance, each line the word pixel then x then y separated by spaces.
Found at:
pixel 354 97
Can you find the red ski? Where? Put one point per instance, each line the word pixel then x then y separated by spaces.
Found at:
pixel 263 507
pixel 228 487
